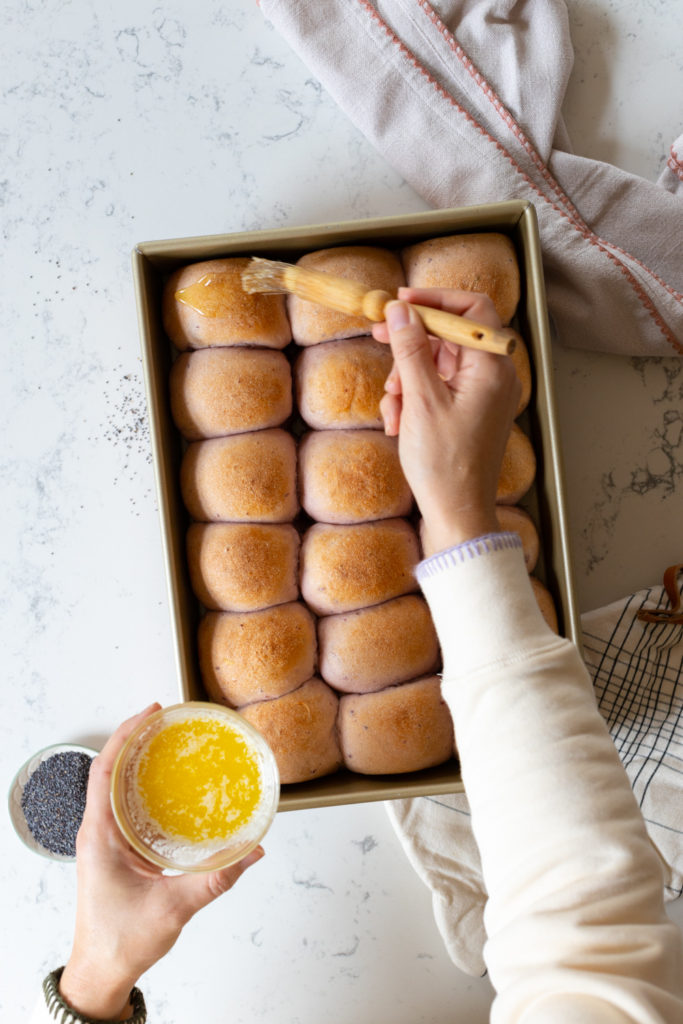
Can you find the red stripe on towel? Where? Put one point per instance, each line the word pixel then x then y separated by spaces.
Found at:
pixel 507 117
pixel 675 164
pixel 579 225
pixel 501 110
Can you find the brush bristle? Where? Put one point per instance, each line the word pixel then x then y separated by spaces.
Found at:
pixel 266 277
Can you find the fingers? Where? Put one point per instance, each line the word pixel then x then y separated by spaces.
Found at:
pixel 222 881
pixel 411 349
pixel 195 891
pixel 118 738
pixel 447 362
pixel 473 305
pixel 390 410
pixel 97 801
pixel 393 382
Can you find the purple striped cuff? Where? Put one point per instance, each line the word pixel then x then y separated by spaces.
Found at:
pixel 465 552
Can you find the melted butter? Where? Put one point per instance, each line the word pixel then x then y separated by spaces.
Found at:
pixel 199 781
pixel 212 295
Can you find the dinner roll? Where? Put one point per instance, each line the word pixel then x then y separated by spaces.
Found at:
pixel 240 567
pixel 301 730
pixel 520 358
pixel 369 649
pixel 246 477
pixel 245 657
pixel 518 469
pixel 347 567
pixel 400 729
pixel 483 262
pixel 341 383
pixel 350 476
pixel 545 603
pixel 203 305
pixel 516 520
pixel 217 391
pixel 376 268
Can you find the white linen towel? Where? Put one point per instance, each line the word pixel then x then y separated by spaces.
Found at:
pixel 464 99
pixel 637 671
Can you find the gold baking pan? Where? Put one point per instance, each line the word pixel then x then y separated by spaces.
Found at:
pixel 152 264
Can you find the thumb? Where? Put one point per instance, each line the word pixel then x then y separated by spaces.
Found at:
pixel 411 348
pixel 195 891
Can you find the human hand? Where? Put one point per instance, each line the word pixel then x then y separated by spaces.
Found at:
pixel 128 913
pixel 452 408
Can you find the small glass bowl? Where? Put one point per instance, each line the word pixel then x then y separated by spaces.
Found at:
pixel 183 855
pixel 16 793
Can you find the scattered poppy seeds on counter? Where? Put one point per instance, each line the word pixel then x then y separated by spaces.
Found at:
pixel 53 801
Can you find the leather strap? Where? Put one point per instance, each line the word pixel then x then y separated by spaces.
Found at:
pixel 675 613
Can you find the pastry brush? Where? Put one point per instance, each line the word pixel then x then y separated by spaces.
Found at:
pixel 273 277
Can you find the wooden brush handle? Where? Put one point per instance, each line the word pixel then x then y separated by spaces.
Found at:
pixel 462 331
pixel 448 326
pixel 352 298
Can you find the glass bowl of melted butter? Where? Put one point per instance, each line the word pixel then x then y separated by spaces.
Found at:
pixel 195 788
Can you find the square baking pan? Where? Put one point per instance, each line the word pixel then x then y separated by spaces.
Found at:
pixel 153 262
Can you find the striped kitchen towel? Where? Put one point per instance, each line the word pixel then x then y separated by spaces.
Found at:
pixel 464 99
pixel 634 651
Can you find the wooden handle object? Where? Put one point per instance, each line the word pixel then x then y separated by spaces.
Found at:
pixel 353 298
pixel 448 326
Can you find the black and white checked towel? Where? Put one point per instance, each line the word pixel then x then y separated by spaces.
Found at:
pixel 637 670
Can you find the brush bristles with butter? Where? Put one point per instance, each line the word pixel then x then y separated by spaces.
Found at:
pixel 273 277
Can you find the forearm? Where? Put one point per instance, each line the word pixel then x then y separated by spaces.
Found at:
pixel 575 887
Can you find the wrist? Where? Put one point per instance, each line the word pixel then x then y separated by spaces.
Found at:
pixel 93 992
pixel 440 533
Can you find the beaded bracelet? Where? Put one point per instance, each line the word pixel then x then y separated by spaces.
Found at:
pixel 63 1013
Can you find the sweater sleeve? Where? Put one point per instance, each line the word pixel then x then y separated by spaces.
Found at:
pixel 575 916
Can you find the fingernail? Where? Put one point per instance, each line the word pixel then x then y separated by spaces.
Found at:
pixel 154 705
pixel 397 315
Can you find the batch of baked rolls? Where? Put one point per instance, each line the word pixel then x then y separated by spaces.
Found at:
pixel 304 533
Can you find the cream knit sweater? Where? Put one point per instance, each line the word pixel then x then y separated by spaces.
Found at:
pixel 575 919
pixel 576 927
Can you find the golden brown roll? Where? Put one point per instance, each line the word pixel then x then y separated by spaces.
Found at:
pixel 483 262
pixel 376 268
pixel 243 478
pixel 348 567
pixel 301 730
pixel 220 391
pixel 518 470
pixel 520 357
pixel 516 520
pixel 340 384
pixel 545 603
pixel 351 476
pixel 401 729
pixel 256 655
pixel 241 567
pixel 212 309
pixel 372 648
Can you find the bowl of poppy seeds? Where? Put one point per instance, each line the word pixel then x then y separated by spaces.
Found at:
pixel 47 799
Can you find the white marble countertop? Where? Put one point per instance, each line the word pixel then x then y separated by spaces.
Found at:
pixel 138 122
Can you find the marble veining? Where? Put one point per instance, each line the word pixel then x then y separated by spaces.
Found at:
pixel 657 468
